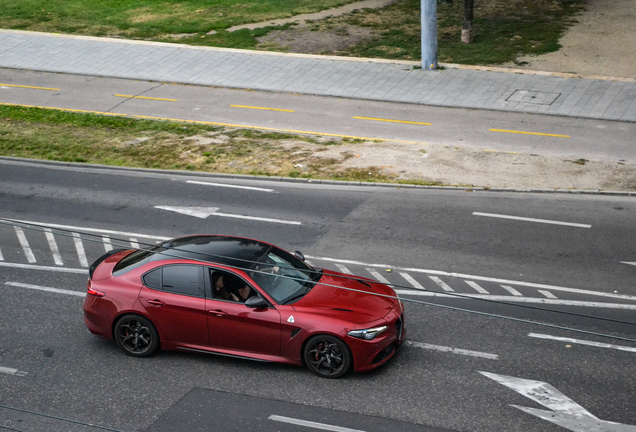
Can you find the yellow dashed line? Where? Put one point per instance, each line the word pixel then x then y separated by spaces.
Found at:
pixel 529 133
pixel 392 121
pixel 30 87
pixel 261 108
pixel 497 151
pixel 146 97
pixel 65 109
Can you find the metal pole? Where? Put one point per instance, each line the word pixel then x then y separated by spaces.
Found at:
pixel 429 34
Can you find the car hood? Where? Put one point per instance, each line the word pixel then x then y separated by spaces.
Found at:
pixel 335 294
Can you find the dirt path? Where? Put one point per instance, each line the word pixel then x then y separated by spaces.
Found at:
pixel 603 42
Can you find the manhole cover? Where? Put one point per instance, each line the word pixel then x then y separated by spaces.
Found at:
pixel 533 97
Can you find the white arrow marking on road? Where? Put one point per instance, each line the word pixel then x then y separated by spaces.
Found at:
pixel 565 412
pixel 630 263
pixel 204 212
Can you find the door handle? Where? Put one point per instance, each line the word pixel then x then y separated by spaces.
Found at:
pixel 156 302
pixel 218 312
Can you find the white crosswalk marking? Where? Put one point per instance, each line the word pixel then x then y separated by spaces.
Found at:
pixel 511 290
pixel 25 245
pixel 108 246
pixel 378 276
pixel 548 294
pixel 343 269
pixel 477 287
pixel 412 281
pixel 53 245
pixel 441 283
pixel 1 257
pixel 81 254
pixel 134 243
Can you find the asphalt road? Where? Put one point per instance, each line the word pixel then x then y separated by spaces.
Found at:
pixel 566 137
pixel 458 371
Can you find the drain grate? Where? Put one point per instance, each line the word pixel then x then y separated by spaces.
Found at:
pixel 533 97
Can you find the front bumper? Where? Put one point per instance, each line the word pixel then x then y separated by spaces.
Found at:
pixel 368 355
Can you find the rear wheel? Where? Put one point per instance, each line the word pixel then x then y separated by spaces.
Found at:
pixel 136 336
pixel 327 356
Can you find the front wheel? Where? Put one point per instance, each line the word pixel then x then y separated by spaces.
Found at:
pixel 327 356
pixel 136 336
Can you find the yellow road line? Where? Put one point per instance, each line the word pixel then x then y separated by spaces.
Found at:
pixel 29 87
pixel 275 129
pixel 498 151
pixel 65 109
pixel 393 121
pixel 261 108
pixel 529 133
pixel 146 97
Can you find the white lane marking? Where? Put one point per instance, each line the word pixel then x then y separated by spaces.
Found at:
pixel 11 371
pixel 378 276
pixel 564 411
pixel 511 290
pixel 25 245
pixel 79 246
pixel 481 278
pixel 230 186
pixel 46 268
pixel 545 221
pixel 204 212
pixel 630 263
pixel 548 294
pixel 1 257
pixel 441 283
pixel 476 287
pixel 412 281
pixel 134 243
pixel 53 245
pixel 582 342
pixel 310 424
pixel 47 289
pixel 515 299
pixel 343 269
pixel 97 230
pixel 108 246
pixel 452 350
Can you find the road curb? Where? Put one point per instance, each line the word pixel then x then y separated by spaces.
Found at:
pixel 317 181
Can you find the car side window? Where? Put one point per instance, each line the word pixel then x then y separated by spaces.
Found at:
pixel 226 286
pixel 152 279
pixel 182 279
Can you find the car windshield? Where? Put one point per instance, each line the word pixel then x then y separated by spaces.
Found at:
pixel 283 276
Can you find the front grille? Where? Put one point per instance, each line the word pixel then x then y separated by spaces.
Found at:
pixel 382 355
pixel 398 327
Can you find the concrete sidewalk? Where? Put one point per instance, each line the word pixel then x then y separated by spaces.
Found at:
pixel 383 80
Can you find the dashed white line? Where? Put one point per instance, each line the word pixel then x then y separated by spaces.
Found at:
pixel 545 221
pixel 412 281
pixel 452 350
pixel 53 245
pixel 582 342
pixel 511 290
pixel 134 243
pixel 343 269
pixel 25 245
pixel 47 289
pixel 11 371
pixel 108 246
pixel 310 424
pixel 378 276
pixel 1 257
pixel 476 287
pixel 441 283
pixel 548 294
pixel 230 186
pixel 79 246
pixel 45 268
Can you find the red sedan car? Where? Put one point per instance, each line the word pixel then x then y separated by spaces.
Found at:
pixel 245 298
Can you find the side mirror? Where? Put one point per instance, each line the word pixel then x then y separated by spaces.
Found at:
pixel 256 302
pixel 299 255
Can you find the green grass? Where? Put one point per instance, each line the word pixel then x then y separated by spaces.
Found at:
pixel 148 18
pixel 503 30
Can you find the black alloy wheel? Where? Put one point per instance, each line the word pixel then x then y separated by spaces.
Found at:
pixel 136 335
pixel 327 356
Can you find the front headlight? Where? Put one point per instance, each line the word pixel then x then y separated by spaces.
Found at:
pixel 367 334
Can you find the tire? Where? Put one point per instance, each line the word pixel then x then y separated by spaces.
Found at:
pixel 136 336
pixel 327 356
